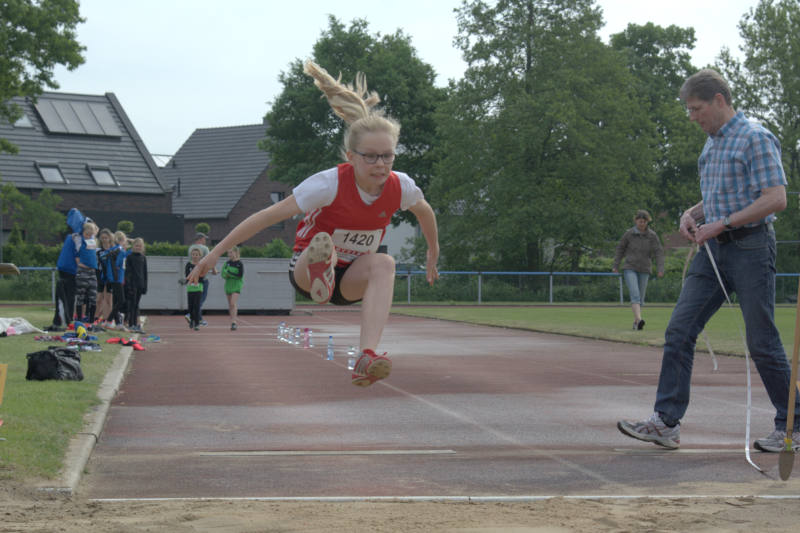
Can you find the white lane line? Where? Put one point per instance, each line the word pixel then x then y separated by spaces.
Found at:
pixel 502 436
pixel 689 451
pixel 477 499
pixel 322 452
pixel 521 450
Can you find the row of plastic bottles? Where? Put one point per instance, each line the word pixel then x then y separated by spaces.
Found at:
pixel 296 336
pixel 305 337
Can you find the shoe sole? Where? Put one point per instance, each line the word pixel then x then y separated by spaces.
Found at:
pixel 775 449
pixel 768 449
pixel 378 370
pixel 320 250
pixel 666 443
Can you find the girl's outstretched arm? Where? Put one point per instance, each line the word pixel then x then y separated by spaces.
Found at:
pixel 285 209
pixel 427 223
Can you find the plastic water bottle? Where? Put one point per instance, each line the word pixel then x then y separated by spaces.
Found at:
pixel 310 338
pixel 280 330
pixel 297 337
pixel 351 358
pixel 329 352
pixel 306 338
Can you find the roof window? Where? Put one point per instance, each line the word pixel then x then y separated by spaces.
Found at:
pixel 23 122
pixel 50 172
pixel 101 175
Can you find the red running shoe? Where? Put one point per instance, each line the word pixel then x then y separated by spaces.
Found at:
pixel 370 368
pixel 320 268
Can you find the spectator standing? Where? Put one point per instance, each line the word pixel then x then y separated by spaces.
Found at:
pixel 86 277
pixel 105 241
pixel 135 282
pixel 639 246
pixel 194 289
pixel 115 266
pixel 200 240
pixel 67 270
pixel 233 274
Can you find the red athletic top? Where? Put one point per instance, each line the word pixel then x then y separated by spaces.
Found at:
pixel 357 228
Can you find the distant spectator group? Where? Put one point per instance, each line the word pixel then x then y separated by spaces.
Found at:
pixel 99 283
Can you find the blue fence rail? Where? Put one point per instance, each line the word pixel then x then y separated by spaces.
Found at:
pixel 471 286
pixel 784 292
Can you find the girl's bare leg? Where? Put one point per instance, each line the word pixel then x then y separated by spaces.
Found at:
pixel 371 279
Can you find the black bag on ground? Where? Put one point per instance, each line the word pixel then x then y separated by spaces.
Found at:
pixel 56 362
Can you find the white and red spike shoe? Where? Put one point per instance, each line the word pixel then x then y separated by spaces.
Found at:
pixel 370 368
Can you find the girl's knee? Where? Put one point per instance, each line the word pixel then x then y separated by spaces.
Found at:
pixel 385 264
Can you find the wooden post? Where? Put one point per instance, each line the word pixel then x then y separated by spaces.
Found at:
pixel 3 373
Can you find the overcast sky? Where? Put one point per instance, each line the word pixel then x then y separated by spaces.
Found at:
pixel 179 65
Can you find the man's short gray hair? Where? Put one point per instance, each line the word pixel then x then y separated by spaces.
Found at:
pixel 705 85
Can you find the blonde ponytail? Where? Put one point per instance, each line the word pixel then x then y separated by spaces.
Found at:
pixel 353 104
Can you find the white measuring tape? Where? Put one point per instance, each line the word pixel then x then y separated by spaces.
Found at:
pixel 692 250
pixel 747 362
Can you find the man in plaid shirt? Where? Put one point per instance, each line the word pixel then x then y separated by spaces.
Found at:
pixel 742 185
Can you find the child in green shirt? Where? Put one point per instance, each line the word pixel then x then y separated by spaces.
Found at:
pixel 194 291
pixel 233 274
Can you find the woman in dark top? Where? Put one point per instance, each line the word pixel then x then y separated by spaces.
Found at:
pixel 639 245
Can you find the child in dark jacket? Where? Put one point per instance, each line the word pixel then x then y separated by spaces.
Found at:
pixel 194 291
pixel 135 282
pixel 115 266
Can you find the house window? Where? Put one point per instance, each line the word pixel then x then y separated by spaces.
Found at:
pixel 101 175
pixel 50 172
pixel 23 122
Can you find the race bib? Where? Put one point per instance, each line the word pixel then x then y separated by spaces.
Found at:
pixel 352 243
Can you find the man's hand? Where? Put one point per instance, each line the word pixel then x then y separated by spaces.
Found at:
pixel 701 234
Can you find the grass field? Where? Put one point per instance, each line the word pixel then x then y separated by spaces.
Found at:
pixel 613 323
pixel 40 417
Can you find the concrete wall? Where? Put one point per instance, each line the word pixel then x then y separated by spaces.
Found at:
pixel 266 286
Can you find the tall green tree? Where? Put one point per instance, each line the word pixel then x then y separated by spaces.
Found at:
pixel 35 36
pixel 766 83
pixel 303 134
pixel 766 86
pixel 547 148
pixel 37 217
pixel 659 59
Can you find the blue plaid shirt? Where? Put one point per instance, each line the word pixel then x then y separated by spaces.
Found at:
pixel 740 160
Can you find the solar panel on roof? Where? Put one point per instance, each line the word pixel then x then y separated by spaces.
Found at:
pixel 78 118
pixel 105 119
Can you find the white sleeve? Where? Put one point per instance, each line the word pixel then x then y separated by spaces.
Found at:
pixel 318 190
pixel 411 194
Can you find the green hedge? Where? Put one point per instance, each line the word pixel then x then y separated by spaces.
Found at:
pixel 39 255
pixel 29 286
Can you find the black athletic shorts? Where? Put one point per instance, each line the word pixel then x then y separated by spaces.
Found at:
pixel 338 272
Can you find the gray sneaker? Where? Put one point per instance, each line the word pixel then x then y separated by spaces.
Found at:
pixel 652 430
pixel 775 442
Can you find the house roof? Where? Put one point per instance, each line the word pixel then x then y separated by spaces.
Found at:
pixel 89 139
pixel 214 168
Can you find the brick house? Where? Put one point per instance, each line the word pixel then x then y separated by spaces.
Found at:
pixel 220 176
pixel 86 150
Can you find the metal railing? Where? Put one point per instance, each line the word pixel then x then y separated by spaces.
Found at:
pixel 471 285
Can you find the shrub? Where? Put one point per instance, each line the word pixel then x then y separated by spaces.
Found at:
pixel 125 226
